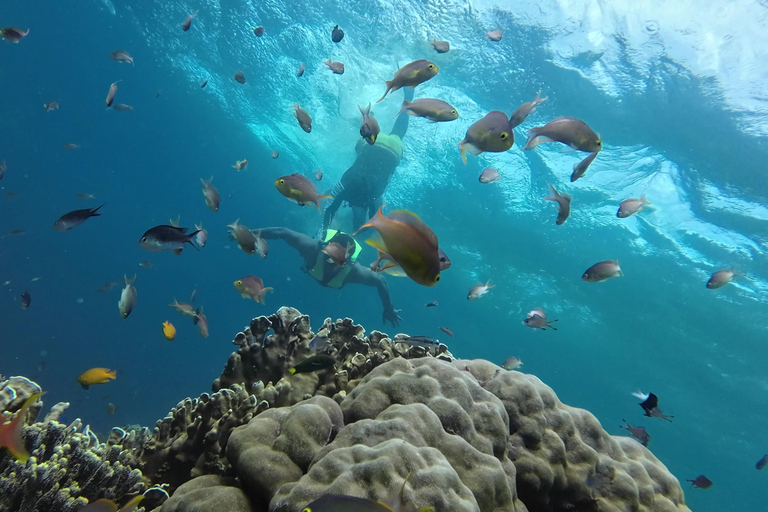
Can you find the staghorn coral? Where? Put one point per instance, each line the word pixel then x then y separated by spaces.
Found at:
pixel 563 455
pixel 68 468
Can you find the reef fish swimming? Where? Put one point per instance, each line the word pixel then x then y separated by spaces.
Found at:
pixel 313 364
pixel 252 287
pixel 96 376
pixel 299 189
pixel 167 238
pixel 75 218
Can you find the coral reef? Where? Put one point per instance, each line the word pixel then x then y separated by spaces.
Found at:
pixel 68 466
pixel 206 493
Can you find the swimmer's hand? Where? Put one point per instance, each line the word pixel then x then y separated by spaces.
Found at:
pixel 391 315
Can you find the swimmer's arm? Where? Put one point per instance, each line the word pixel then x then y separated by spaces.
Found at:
pixel 307 246
pixel 363 275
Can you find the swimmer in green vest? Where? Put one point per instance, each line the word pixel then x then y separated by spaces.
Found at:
pixel 325 270
pixel 363 184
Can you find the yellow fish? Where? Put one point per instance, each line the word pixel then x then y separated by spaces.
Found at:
pixel 105 505
pixel 410 243
pixel 96 376
pixel 10 433
pixel 169 331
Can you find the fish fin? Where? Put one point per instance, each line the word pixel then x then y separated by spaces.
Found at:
pixel 404 107
pixel 376 244
pixel 84 386
pixel 291 370
pixel 368 224
pixel 177 252
pixel 534 139
pixel 365 111
pixel 644 200
pixel 10 433
pixel 553 195
pixel 388 83
pixel 489 285
pixel 129 281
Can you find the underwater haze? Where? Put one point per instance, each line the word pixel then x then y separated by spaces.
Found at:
pixel 678 92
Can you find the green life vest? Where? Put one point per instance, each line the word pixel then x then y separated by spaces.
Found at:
pixel 318 270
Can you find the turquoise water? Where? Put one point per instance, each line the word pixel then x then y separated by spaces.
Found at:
pixel 677 93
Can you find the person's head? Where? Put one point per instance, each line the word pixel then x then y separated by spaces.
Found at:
pixel 344 240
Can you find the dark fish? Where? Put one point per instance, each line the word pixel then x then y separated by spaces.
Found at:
pixel 121 56
pixel 447 331
pixel 337 67
pixel 568 130
pixel 722 278
pixel 580 168
pixel 107 286
pixel 239 77
pixel 431 304
pixel 111 408
pixel 336 35
pixel 275 154
pixel 75 218
pixel 526 109
pixel 111 93
pixel 3 168
pixel 26 300
pixel 638 433
pixel 51 105
pixel 411 75
pixel 563 204
pixel 701 482
pixel 15 232
pixel 762 462
pixel 313 364
pixel 305 121
pixel 601 271
pixel 14 35
pixel 651 407
pixel 188 22
pixel 300 71
pixel 203 84
pixel 167 238
pixel 318 343
pixel 258 31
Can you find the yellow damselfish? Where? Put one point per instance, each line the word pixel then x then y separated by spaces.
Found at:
pixel 169 331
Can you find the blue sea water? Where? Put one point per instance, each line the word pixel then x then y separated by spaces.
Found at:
pixel 678 93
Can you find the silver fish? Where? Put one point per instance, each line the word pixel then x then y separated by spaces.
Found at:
pixel 563 204
pixel 201 321
pixel 122 107
pixel 537 319
pixel 185 308
pixel 526 109
pixel 121 56
pixel 479 290
pixel 202 235
pixel 440 46
pixel 300 71
pixel 495 35
pixel 127 297
pixel 111 93
pixel 601 271
pixel 489 175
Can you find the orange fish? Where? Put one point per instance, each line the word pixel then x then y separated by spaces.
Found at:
pixel 300 190
pixel 105 505
pixel 252 287
pixel 96 376
pixel 169 331
pixel 10 432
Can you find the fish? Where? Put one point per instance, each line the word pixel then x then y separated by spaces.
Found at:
pixel 203 83
pixel 188 22
pixel 10 432
pixel 537 319
pixel 240 164
pixel 201 321
pixel 185 308
pixel 512 363
pixel 701 482
pixel 722 278
pixel 51 105
pixel 638 433
pixel 111 408
pixel 262 248
pixel 431 304
pixel 337 34
pixel 563 204
pixel 300 190
pixel 440 46
pixel 258 31
pixel 601 271
pixel 494 35
pixel 71 145
pixel 127 297
pixel 319 342
pixel 631 206
pixel 25 299
pixel 568 130
pixel 489 175
pixel 122 107
pixel 318 175
pixel 211 194
pixel 13 34
pixel 479 290
pixel 193 295
pixel 369 127
pixel 650 405
pixel 84 196
pixel 96 376
pixel 146 264
pixel 580 168
pixel 107 286
pixel 169 331
pixel 526 109
pixel 313 364
pixel 121 56
pixel 75 218
pixel 302 117
pixel 762 462
pixel 275 154
pixel 167 238
pixel 447 331
pixel 107 505
pixel 300 71
pixel 409 242
pixel 239 77
pixel 244 237
pixel 340 503
pixel 411 75
pixel 15 232
pixel 336 67
pixel 419 341
pixel 430 108
pixel 492 133
pixel 202 235
pixel 252 287
pixel 3 169
pixel 111 93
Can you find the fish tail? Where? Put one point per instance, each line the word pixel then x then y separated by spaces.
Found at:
pixel 365 111
pixel 463 147
pixel 643 200
pixel 130 281
pixel 533 140
pixel 405 106
pixel 388 83
pixel 369 224
pixel 489 285
pixel 94 210
pixel 553 195
pixel 317 201
pixel 113 374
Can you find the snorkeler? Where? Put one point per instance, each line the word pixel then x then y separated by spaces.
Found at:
pixel 327 270
pixel 363 184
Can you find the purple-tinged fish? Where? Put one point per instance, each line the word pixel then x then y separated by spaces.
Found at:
pixel 580 168
pixel 563 204
pixel 631 206
pixel 336 67
pixel 526 109
pixel 489 175
pixel 638 433
pixel 188 22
